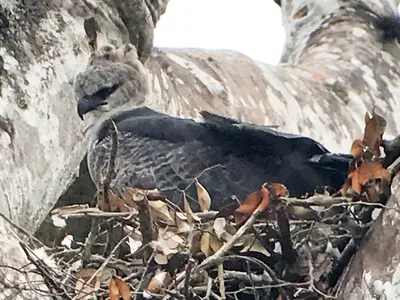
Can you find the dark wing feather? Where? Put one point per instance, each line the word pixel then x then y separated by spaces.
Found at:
pixel 159 151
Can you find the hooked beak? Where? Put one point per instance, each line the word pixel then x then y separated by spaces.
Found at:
pixel 97 100
pixel 83 107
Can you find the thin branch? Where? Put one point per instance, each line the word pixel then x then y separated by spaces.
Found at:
pixel 23 231
pixel 263 265
pixel 285 240
pixel 394 167
pixel 316 200
pixel 209 287
pixel 221 281
pixel 188 270
pixel 43 270
pixel 140 284
pixel 146 225
pixel 87 249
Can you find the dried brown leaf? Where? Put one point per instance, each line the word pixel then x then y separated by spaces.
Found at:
pixel 181 225
pixel 366 177
pixel 357 148
pixel 255 202
pixel 160 212
pixel 355 182
pixel 205 244
pixel 265 199
pixel 128 197
pixel 194 242
pixel 123 287
pixel 191 217
pixel 117 204
pixel 161 259
pixel 372 170
pixel 113 290
pixel 203 197
pixel 86 273
pixel 219 227
pixel 374 128
pixel 244 211
pixel 181 216
pixel 278 190
pixel 214 243
pixel 159 282
pixel 172 240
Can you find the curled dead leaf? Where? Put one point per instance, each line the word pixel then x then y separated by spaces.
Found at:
pixel 244 211
pixel 119 288
pixel 256 202
pixel 113 290
pixel 164 249
pixel 374 128
pixel 203 197
pixel 368 176
pixel 124 288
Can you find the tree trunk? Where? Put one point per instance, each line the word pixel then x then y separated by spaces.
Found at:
pixel 332 71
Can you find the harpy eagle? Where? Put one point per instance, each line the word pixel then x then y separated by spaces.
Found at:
pixel 228 158
pixel 156 150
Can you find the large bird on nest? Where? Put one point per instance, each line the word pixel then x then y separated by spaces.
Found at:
pixel 156 150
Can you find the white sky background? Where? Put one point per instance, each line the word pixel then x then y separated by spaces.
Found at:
pixel 252 27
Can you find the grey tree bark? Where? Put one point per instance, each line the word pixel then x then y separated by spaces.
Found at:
pixel 333 69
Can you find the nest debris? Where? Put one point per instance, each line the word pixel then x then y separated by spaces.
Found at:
pixel 271 246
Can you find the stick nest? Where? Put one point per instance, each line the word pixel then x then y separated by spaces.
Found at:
pixel 270 246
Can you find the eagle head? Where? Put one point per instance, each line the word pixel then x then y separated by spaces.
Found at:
pixel 114 81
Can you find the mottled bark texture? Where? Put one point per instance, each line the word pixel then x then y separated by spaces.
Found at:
pixel 333 69
pixel 43 46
